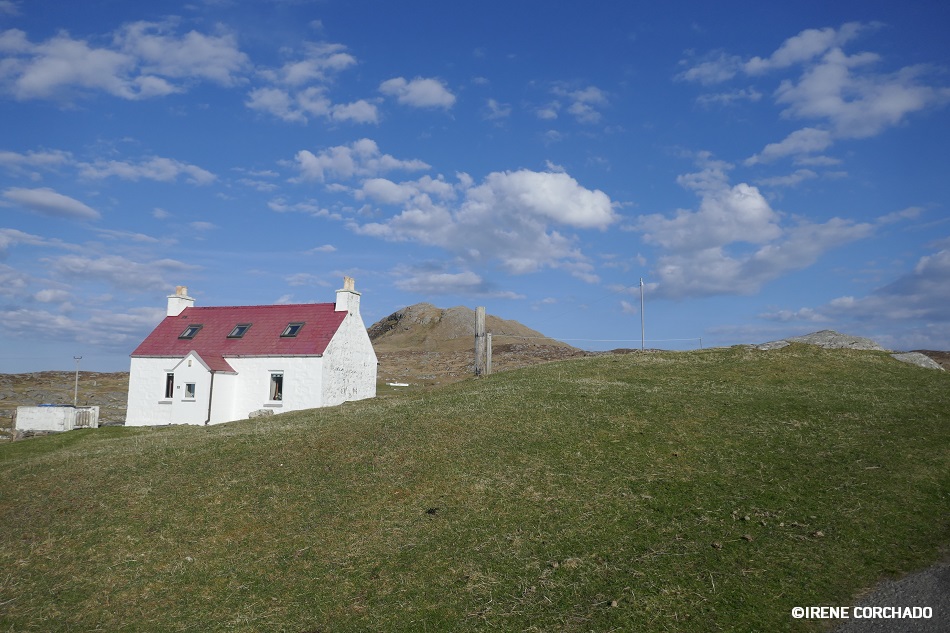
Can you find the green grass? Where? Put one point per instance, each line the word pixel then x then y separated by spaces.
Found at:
pixel 704 491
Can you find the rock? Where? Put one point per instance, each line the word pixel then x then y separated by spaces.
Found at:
pixel 260 413
pixel 828 339
pixel 773 345
pixel 916 358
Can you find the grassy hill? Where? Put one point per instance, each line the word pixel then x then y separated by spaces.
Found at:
pixel 709 490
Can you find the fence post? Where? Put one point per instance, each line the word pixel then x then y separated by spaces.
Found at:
pixel 488 354
pixel 479 340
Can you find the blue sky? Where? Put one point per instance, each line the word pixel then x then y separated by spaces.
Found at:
pixel 768 171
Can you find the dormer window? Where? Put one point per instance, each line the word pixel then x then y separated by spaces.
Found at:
pixel 239 330
pixel 292 330
pixel 190 331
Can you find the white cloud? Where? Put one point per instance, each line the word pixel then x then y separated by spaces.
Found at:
pixel 299 90
pixel 14 237
pixel 729 98
pixel 159 51
pixel 706 252
pixel 52 295
pixel 319 60
pixel 155 168
pixel 495 110
pixel 509 218
pixel 804 47
pixel 441 283
pixel 857 104
pixel 361 158
pixel 840 93
pixel 277 102
pixel 8 7
pixel 144 58
pixel 419 92
pixel 715 70
pixel 582 104
pixel 20 163
pixel 360 111
pixel 110 329
pixel 312 208
pixel 802 314
pixel 789 180
pixel 47 202
pixel 805 141
pixel 304 279
pixel 121 272
pixel 628 308
pixel 908 313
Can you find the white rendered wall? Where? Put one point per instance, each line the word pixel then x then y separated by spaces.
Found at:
pixel 147 405
pixel 191 410
pixel 51 418
pixel 302 384
pixel 351 363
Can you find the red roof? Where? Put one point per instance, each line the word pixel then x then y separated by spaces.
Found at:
pixel 263 338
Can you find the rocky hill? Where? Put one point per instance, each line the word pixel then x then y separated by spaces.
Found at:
pixel 424 344
pixel 425 327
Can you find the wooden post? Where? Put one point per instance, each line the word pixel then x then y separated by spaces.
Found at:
pixel 488 354
pixel 479 340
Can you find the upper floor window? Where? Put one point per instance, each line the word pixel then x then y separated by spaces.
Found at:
pixel 239 330
pixel 292 329
pixel 190 331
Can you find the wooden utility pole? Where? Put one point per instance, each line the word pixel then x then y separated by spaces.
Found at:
pixel 482 357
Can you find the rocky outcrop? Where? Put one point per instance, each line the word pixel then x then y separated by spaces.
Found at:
pixel 829 339
pixel 916 358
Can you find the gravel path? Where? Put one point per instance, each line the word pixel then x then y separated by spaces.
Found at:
pixel 927 588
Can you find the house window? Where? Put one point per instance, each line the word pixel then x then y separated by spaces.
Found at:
pixel 190 331
pixel 277 386
pixel 189 391
pixel 291 330
pixel 169 385
pixel 239 330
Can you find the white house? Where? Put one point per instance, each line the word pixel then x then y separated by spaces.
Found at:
pixel 218 364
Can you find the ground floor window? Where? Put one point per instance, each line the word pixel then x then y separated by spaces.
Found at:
pixel 277 386
pixel 169 385
pixel 189 390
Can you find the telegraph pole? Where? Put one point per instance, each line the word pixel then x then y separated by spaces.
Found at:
pixel 76 389
pixel 642 327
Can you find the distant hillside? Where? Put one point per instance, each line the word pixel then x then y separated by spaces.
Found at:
pixel 424 327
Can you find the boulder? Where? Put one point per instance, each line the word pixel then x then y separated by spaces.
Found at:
pixel 916 358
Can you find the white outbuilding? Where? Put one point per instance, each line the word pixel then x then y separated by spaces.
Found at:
pixel 219 364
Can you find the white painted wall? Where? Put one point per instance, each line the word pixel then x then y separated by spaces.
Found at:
pixel 53 418
pixel 148 406
pixel 351 363
pixel 303 376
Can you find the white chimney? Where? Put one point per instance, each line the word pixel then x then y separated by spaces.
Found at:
pixel 347 299
pixel 179 301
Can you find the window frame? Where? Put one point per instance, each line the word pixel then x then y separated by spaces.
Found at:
pixel 275 387
pixel 191 331
pixel 292 329
pixel 240 330
pixel 191 391
pixel 169 385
